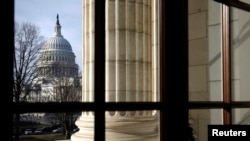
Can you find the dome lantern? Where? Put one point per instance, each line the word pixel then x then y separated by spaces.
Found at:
pixel 57 27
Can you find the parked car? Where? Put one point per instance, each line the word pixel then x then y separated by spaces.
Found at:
pixel 28 131
pixel 39 131
pixel 58 130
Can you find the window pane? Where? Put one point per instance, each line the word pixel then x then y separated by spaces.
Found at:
pixel 241 116
pixel 137 125
pixel 48 44
pixel 132 51
pixel 128 125
pixel 200 120
pixel 240 40
pixel 53 126
pixel 205 73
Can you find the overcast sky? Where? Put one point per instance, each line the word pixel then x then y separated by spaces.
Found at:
pixel 43 14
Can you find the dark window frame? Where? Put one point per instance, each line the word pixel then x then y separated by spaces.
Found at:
pixel 170 104
pixel 236 3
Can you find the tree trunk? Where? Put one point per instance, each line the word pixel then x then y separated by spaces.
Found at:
pixel 17 128
pixel 66 129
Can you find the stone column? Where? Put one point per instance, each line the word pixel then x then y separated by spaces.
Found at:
pixel 130 71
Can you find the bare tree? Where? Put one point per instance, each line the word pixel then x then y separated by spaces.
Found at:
pixel 64 89
pixel 67 89
pixel 28 43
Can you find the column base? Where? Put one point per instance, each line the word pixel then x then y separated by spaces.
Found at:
pixel 133 129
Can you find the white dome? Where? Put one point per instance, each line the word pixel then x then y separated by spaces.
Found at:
pixel 57 54
pixel 57 43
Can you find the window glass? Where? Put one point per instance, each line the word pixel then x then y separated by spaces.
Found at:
pixel 133 124
pixel 33 126
pixel 41 71
pixel 240 49
pixel 200 120
pixel 205 73
pixel 241 116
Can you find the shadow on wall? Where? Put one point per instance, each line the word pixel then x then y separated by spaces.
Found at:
pixel 245 119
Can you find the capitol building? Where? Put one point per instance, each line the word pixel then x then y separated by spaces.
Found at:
pixel 56 69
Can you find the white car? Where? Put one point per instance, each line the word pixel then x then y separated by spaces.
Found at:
pixel 58 130
pixel 28 132
pixel 39 131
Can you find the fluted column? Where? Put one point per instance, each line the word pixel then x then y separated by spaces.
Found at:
pixel 131 69
pixel 86 120
pixel 155 50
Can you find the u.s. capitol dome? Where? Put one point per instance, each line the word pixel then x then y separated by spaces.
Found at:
pixel 57 58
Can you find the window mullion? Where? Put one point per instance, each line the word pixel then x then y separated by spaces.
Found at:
pixel 226 64
pixel 99 71
pixel 174 70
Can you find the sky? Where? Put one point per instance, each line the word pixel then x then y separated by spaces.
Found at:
pixel 43 13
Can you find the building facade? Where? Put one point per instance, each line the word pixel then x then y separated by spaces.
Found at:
pixel 57 71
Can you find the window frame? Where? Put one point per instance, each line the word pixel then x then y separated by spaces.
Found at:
pixel 167 106
pixel 169 103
